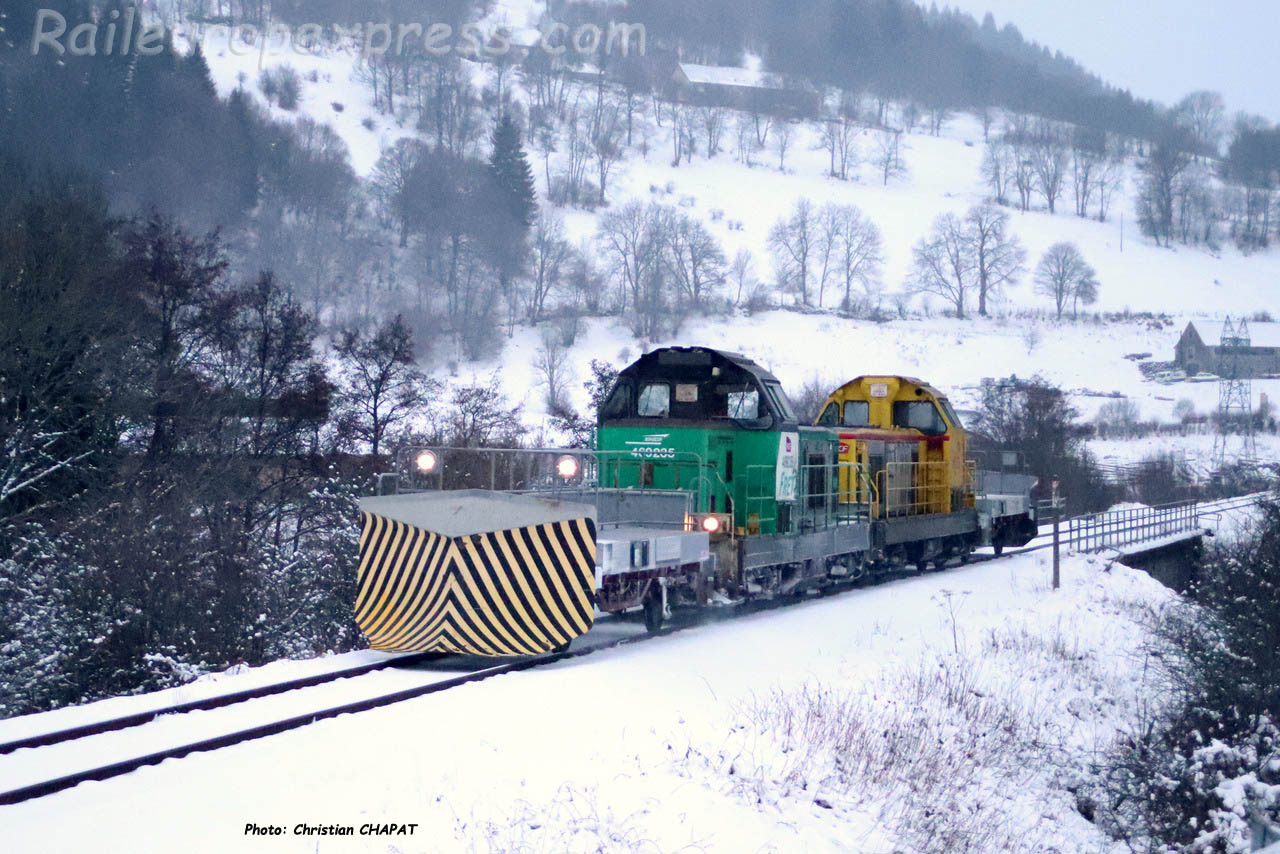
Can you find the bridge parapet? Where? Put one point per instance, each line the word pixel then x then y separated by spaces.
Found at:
pixel 1133 525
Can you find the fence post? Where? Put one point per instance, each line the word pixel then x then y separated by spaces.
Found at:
pixel 1057 516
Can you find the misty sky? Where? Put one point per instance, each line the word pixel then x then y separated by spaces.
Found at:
pixel 1160 50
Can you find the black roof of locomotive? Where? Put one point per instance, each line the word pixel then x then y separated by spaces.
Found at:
pixel 661 358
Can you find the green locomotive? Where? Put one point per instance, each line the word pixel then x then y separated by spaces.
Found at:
pixel 719 426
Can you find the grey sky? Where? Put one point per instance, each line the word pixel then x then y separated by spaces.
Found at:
pixel 1159 49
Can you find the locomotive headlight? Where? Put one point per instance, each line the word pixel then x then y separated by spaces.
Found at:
pixel 426 462
pixel 711 524
pixel 567 467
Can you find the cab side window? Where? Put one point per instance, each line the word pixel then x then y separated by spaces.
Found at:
pixel 857 413
pixel 655 401
pixel 920 414
pixel 830 415
pixel 744 405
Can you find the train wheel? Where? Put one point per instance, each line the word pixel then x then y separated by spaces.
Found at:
pixel 997 545
pixel 653 609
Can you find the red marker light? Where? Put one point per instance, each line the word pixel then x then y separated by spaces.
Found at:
pixel 426 462
pixel 567 467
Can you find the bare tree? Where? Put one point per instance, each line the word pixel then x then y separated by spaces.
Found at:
pixel 1168 159
pixel 839 136
pixel 550 252
pixel 545 141
pixel 942 263
pixel 910 115
pixel 827 235
pixel 997 169
pixel 450 108
pixel 859 256
pixel 998 256
pixel 745 137
pixel 742 275
pixel 938 116
pixel 763 124
pixel 987 115
pixel 696 262
pixel 792 241
pixel 1049 162
pixel 888 155
pixel 1088 150
pixel 1109 177
pixel 1065 277
pixel 636 79
pixel 1021 144
pixel 382 385
pixel 1202 114
pixel 578 151
pixel 607 147
pixel 713 120
pixel 635 237
pixel 552 365
pixel 1195 206
pixel 682 133
pixel 783 134
pixel 391 181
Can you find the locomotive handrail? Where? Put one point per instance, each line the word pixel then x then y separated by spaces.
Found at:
pixel 837 508
pixel 592 471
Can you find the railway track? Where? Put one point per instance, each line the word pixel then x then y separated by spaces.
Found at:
pixel 78 737
pixel 75 737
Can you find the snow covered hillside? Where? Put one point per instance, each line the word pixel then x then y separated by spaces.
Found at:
pixel 945 712
pixel 739 204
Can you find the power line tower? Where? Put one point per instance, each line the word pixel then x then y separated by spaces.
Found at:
pixel 1235 439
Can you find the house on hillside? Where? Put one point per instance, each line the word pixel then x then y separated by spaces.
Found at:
pixel 741 89
pixel 1199 349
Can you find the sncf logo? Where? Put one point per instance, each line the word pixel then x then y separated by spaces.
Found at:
pixel 650 440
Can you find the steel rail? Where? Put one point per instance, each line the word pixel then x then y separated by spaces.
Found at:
pixel 215 702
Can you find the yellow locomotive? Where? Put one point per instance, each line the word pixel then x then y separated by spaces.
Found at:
pixel 908 442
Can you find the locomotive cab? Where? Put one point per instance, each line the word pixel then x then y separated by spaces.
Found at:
pixel 709 422
pixel 910 442
pixel 719 427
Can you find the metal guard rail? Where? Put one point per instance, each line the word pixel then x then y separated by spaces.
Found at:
pixel 1131 525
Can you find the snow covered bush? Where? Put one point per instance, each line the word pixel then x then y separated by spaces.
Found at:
pixel 282 86
pixel 1205 775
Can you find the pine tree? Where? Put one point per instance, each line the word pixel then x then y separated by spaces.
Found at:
pixel 194 69
pixel 511 170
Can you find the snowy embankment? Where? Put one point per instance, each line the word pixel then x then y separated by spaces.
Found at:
pixel 944 712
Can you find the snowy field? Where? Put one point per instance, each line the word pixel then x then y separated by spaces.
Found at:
pixel 740 203
pixel 906 716
pixel 1086 359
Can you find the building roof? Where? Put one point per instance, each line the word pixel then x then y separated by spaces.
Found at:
pixel 1260 334
pixel 723 75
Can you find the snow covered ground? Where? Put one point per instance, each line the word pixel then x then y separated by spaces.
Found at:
pixel 1086 359
pixel 739 204
pixel 1196 450
pixel 906 716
